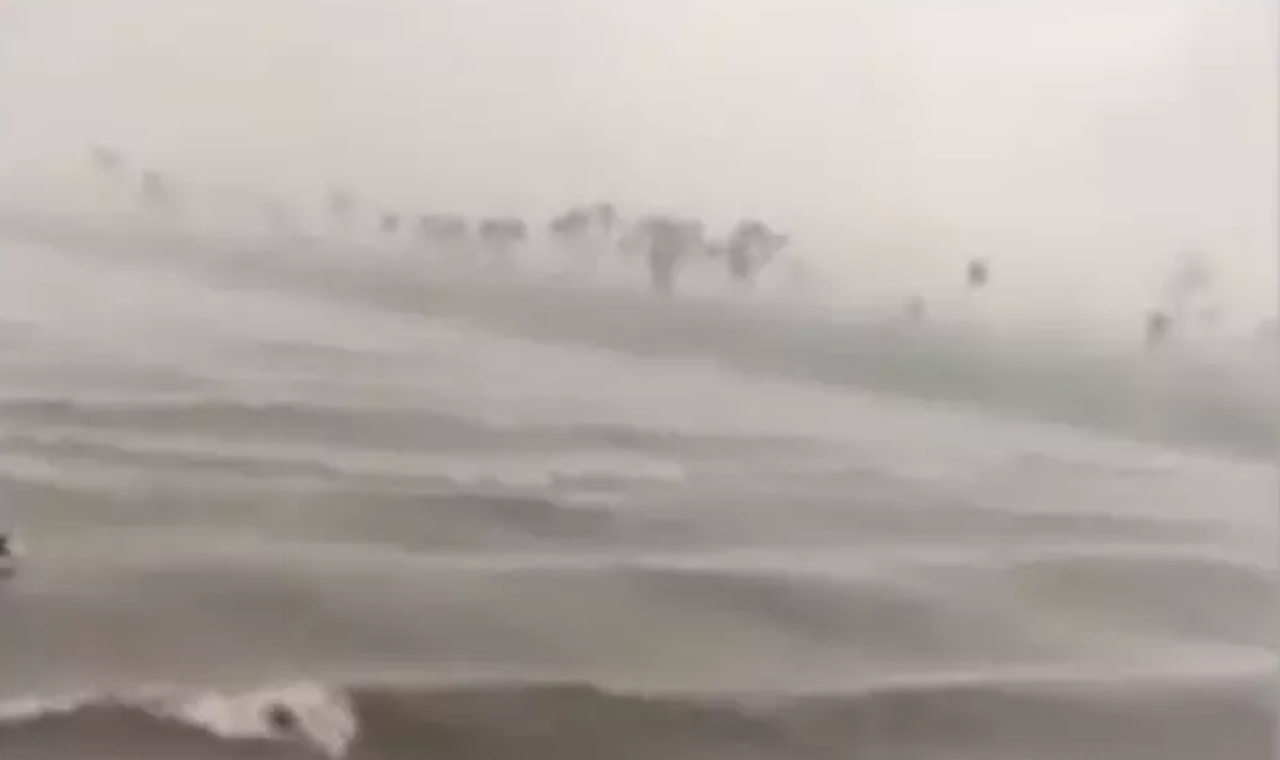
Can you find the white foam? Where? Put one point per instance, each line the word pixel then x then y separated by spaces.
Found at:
pixel 325 719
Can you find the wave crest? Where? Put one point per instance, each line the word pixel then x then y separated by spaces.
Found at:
pixel 1132 718
pixel 179 724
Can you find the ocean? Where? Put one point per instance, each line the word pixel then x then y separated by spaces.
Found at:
pixel 444 515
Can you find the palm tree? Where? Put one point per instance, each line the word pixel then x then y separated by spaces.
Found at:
pixel 977 274
pixel 105 160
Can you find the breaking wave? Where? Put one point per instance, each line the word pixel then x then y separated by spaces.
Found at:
pixel 1117 717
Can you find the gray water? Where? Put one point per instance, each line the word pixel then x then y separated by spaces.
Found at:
pixel 448 519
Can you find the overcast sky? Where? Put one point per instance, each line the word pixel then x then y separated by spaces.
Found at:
pixel 895 137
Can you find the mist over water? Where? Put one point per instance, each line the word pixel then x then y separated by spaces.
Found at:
pixel 1083 147
pixel 441 508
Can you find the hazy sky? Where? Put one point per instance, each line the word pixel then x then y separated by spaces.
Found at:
pixel 895 137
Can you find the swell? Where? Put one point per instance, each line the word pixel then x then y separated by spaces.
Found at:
pixel 388 425
pixel 203 606
pixel 1132 716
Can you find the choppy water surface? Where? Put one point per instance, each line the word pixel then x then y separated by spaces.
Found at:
pixel 453 521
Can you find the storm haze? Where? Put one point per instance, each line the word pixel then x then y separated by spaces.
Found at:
pixel 1080 145
pixel 608 379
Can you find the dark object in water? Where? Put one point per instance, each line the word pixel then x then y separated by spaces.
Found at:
pixel 8 556
pixel 282 718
